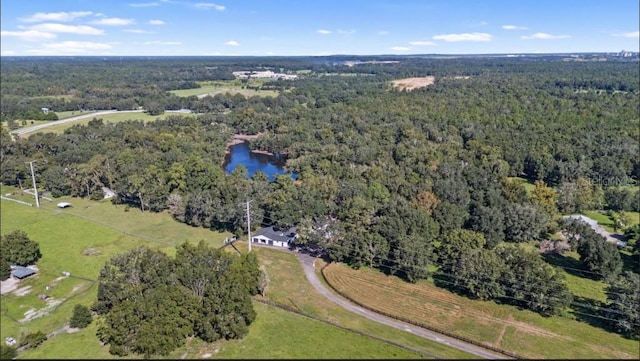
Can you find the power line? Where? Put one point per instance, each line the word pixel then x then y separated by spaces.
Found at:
pixel 574 303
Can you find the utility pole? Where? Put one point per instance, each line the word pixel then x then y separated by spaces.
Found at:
pixel 35 189
pixel 249 226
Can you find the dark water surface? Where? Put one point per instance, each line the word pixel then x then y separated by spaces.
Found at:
pixel 270 165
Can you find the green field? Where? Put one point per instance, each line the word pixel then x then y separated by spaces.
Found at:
pixel 520 331
pixel 222 87
pixel 107 118
pixel 529 187
pixel 65 235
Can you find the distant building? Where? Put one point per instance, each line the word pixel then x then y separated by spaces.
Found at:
pixel 268 74
pixel 45 110
pixel 274 236
pixel 625 54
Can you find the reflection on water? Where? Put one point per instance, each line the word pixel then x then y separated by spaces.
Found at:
pixel 268 164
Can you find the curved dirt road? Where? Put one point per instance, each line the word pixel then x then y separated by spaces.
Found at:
pixel 308 265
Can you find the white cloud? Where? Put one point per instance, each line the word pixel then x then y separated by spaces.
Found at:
pixel 544 36
pixel 464 37
pixel 8 52
pixel 209 6
pixel 514 27
pixel 422 43
pixel 28 35
pixel 631 35
pixel 232 43
pixel 114 21
pixel 156 22
pixel 346 31
pixel 323 32
pixel 400 48
pixel 158 42
pixel 70 29
pixel 70 48
pixel 138 31
pixel 383 32
pixel 59 16
pixel 143 5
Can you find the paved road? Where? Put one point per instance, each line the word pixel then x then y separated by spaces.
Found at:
pixel 308 265
pixel 69 120
pixel 27 130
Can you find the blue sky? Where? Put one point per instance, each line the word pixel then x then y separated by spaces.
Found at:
pixel 308 27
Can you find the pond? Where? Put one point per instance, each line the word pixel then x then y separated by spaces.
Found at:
pixel 270 165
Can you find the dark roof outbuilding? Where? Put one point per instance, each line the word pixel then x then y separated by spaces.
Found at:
pixel 22 272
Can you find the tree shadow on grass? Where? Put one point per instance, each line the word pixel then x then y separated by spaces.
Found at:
pixel 592 312
pixel 571 265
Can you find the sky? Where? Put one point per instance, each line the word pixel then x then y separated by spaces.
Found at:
pixel 315 27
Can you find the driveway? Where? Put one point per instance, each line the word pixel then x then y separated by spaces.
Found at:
pixel 308 266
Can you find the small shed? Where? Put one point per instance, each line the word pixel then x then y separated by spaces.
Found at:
pixel 20 272
pixel 64 205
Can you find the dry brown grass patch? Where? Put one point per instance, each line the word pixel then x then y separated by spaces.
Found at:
pixel 413 83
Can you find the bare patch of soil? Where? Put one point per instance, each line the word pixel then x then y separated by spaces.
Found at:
pixel 34 313
pixel 23 291
pixel 8 285
pixel 413 83
pixel 90 252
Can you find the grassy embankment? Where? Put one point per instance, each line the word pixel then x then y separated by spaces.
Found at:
pixel 522 332
pixel 105 230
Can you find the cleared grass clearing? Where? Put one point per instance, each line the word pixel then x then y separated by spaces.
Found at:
pixel 529 187
pixel 222 87
pixel 107 118
pixel 525 333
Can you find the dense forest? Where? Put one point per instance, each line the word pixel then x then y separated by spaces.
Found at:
pixel 406 181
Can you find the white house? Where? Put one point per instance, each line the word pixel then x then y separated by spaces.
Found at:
pixel 274 236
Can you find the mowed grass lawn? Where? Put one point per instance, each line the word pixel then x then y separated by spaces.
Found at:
pixel 278 334
pixel 607 223
pixel 520 331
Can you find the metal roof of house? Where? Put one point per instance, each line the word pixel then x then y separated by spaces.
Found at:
pixel 276 234
pixel 22 272
pixel 64 204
